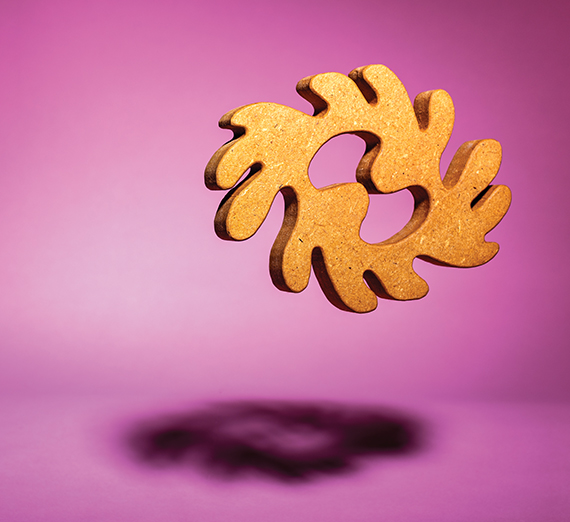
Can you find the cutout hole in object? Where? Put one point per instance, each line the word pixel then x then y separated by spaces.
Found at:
pixel 387 214
pixel 337 160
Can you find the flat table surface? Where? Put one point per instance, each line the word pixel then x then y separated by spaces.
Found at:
pixel 65 459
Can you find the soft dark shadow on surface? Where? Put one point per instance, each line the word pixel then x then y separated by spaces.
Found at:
pixel 288 441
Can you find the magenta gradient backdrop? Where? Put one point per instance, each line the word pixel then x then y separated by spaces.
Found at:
pixel 119 303
pixel 112 277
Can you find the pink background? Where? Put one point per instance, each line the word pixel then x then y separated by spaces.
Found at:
pixel 113 282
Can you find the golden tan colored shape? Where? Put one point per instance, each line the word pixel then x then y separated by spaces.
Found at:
pixel 404 144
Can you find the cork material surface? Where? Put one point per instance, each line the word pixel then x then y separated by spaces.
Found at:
pixel 275 144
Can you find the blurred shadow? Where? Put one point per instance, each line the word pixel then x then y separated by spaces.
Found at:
pixel 288 441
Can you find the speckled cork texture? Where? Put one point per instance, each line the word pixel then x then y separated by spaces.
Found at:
pixel 404 144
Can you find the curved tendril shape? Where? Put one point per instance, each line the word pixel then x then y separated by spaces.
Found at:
pixel 404 144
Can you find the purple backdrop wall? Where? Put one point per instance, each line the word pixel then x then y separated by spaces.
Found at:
pixel 112 278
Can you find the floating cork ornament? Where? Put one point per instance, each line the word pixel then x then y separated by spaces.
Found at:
pixel 404 144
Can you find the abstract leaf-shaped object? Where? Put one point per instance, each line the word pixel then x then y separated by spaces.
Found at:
pixel 404 144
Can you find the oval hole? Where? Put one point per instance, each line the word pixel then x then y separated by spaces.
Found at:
pixel 387 214
pixel 336 161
